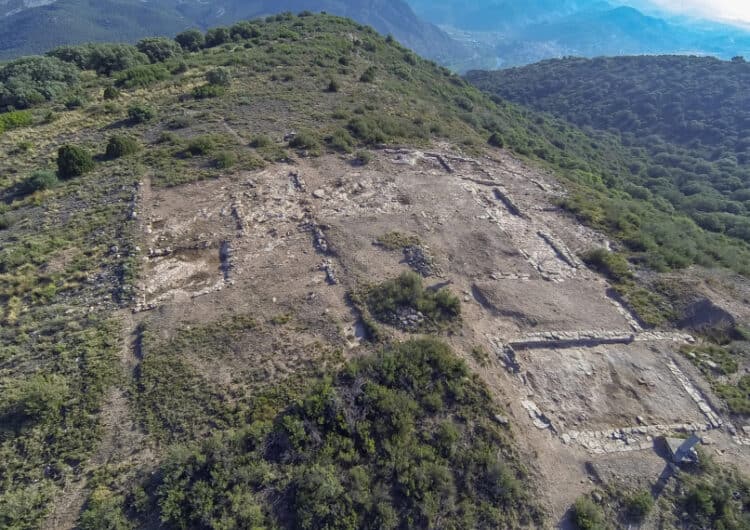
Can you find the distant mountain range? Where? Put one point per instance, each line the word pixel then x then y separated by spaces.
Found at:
pixel 34 26
pixel 509 32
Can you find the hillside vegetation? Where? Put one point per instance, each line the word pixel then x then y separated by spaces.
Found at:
pixel 681 124
pixel 51 23
pixel 684 120
pixel 85 126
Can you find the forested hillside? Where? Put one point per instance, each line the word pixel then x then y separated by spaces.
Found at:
pixel 684 123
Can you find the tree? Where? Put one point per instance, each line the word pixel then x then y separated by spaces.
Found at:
pixel 73 161
pixel 104 58
pixel 191 40
pixel 32 80
pixel 159 49
pixel 217 37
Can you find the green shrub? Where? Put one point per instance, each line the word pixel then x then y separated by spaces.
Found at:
pixel 333 86
pixel 261 140
pixel 15 120
pixel 496 140
pixel 587 515
pixel 34 398
pixel 75 102
pixel 208 91
pixel 638 505
pixel 141 114
pixel 111 93
pixel 104 509
pixel 225 160
pixel 611 264
pixel 105 58
pixel 39 180
pixel 179 68
pixel 368 76
pixel 73 161
pixel 119 146
pixel 142 76
pixel 180 122
pixel 217 37
pixel 306 140
pixel 159 49
pixel 403 462
pixel 408 292
pixel 30 81
pixel 219 77
pixel 199 146
pixel 191 40
pixel 341 140
pixel 362 158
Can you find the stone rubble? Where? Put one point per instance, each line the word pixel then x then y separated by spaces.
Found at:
pixel 537 417
pixel 407 318
pixel 419 259
pixel 328 268
pixel 298 184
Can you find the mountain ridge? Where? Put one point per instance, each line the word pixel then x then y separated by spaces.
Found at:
pixel 43 25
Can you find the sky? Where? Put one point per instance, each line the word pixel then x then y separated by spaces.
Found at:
pixel 728 10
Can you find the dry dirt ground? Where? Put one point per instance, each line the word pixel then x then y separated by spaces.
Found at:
pixel 585 386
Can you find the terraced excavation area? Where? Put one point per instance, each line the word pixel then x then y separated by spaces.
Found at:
pixel 585 384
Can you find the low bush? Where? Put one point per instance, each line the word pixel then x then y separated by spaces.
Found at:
pixel 200 146
pixel 119 146
pixel 225 160
pixel 341 140
pixel 39 180
pixel 73 161
pixel 111 93
pixel 333 86
pixel 260 141
pixel 15 120
pixel 611 264
pixel 638 505
pixel 587 515
pixel 142 76
pixel 368 76
pixel 219 77
pixel 496 140
pixel 208 91
pixel 307 141
pixel 141 114
pixel 439 308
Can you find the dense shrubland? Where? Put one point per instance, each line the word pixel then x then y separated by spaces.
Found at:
pixel 681 123
pixel 403 439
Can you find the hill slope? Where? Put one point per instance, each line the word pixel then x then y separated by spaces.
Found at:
pixel 39 26
pixel 685 118
pixel 292 279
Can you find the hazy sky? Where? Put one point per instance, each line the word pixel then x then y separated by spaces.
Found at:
pixel 713 9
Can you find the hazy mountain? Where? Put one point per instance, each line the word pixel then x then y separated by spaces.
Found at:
pixel 508 32
pixel 33 26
